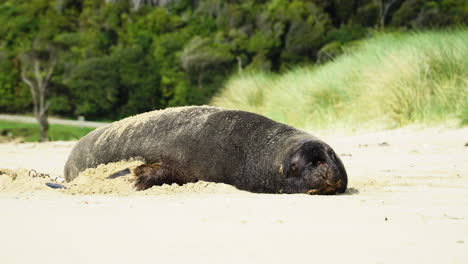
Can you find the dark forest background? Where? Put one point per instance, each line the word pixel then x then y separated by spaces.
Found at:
pixel 109 59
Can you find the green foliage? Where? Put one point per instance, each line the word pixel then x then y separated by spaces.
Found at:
pixel 60 104
pixel 201 53
pixel 139 81
pixel 421 14
pixel 346 33
pixel 367 14
pixel 147 27
pixel 118 59
pixel 329 52
pixel 14 97
pixel 95 86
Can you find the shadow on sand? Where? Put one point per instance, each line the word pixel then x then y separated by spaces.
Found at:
pixel 351 191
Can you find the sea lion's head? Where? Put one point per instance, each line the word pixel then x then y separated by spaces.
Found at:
pixel 313 167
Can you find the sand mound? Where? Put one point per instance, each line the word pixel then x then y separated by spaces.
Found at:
pixel 95 181
pixel 22 181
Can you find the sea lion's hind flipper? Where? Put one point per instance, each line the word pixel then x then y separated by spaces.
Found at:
pixel 148 175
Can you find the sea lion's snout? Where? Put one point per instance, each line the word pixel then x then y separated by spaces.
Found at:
pixel 325 178
pixel 316 169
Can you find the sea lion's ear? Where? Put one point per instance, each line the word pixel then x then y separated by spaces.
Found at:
pixel 284 170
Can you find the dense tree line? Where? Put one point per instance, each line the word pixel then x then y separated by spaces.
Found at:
pixel 114 58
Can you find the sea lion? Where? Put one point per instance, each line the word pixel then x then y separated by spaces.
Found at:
pixel 187 144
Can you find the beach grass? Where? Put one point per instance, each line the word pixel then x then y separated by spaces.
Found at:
pixel 387 81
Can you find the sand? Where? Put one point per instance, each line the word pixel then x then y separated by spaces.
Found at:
pixel 407 203
pixel 96 181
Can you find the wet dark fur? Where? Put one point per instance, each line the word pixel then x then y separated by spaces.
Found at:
pixel 239 148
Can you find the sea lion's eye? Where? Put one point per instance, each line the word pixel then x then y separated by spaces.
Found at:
pixel 332 154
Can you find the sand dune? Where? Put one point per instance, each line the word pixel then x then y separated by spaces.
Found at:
pixel 407 203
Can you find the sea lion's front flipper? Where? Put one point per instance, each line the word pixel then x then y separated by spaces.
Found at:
pixel 148 175
pixel 119 174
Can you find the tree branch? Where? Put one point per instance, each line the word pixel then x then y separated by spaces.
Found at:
pixel 48 75
pixel 33 90
pixel 26 80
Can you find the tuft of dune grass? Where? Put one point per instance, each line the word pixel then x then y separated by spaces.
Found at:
pixel 387 81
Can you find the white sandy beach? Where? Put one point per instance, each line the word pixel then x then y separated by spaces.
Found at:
pixel 407 203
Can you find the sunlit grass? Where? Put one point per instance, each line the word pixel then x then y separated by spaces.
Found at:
pixel 387 81
pixel 30 132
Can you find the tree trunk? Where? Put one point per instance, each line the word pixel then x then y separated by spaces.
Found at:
pixel 43 127
pixel 384 8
